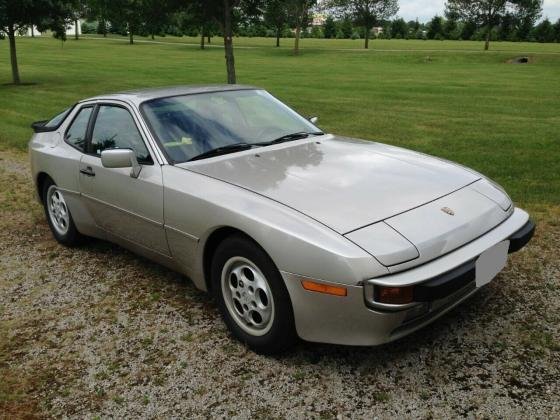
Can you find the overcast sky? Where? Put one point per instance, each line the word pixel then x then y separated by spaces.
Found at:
pixel 426 9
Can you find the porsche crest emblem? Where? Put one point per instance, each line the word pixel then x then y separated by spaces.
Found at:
pixel 448 211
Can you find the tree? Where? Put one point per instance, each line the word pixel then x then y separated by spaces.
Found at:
pixel 298 12
pixel 79 11
pixel 468 30
pixel 126 13
pixel 557 31
pixel 544 31
pixel 346 28
pixel 198 14
pixel 224 13
pixel 330 28
pixel 155 14
pixel 99 9
pixel 399 29
pixel 524 15
pixel 18 14
pixel 435 28
pixel 366 13
pixel 507 30
pixel 276 16
pixel 485 12
pixel 451 26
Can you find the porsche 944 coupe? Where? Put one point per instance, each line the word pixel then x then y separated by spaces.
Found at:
pixel 295 232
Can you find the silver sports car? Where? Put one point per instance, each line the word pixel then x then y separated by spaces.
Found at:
pixel 296 233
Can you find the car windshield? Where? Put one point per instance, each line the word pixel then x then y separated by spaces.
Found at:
pixel 190 125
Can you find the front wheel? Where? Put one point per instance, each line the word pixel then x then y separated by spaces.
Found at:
pixel 252 297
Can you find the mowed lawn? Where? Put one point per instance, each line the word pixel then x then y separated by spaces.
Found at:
pixel 449 99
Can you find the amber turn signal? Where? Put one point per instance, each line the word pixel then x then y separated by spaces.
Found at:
pixel 394 295
pixel 324 288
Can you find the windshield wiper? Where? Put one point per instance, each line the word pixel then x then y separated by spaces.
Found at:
pixel 289 137
pixel 222 150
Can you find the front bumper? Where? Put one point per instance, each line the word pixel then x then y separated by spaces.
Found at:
pixel 440 285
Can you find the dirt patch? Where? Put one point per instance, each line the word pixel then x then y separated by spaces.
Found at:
pixel 521 60
pixel 96 331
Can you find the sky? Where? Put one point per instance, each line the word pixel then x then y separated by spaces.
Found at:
pixel 424 10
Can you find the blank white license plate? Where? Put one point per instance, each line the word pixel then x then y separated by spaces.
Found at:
pixel 491 262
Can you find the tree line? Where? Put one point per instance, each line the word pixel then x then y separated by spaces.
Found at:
pixel 486 20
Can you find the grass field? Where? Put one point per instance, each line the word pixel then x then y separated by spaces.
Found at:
pixel 445 98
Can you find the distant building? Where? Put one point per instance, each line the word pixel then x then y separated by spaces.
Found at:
pixel 70 30
pixel 376 30
pixel 31 32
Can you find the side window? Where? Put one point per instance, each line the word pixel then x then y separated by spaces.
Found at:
pixel 115 129
pixel 76 133
pixel 57 120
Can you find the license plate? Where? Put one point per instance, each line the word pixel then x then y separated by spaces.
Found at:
pixel 491 262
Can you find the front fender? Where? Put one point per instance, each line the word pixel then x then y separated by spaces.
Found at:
pixel 196 205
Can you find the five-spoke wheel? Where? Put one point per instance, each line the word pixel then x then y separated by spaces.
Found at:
pixel 58 211
pixel 247 295
pixel 252 296
pixel 58 214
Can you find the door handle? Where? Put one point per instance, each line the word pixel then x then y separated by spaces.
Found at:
pixel 87 171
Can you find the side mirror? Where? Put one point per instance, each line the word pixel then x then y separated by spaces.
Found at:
pixel 313 120
pixel 121 158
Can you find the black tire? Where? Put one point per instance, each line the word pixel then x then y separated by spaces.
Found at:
pixel 71 236
pixel 281 334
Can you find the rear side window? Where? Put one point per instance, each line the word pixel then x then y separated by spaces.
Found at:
pixel 76 133
pixel 57 120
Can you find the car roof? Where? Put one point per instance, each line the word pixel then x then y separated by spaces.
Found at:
pixel 138 96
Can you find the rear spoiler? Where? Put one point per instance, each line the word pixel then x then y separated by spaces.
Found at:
pixel 39 126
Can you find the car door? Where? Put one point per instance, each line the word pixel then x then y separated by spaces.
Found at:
pixel 128 207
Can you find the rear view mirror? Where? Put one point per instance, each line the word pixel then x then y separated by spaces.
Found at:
pixel 313 120
pixel 121 158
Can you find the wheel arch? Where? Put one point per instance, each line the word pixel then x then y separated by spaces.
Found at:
pixel 212 243
pixel 42 177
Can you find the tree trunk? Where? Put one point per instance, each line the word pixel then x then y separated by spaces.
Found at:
pixel 366 45
pixel 487 43
pixel 153 37
pixel 13 56
pixel 277 37
pixel 104 28
pixel 228 43
pixel 202 37
pixel 130 35
pixel 209 39
pixel 32 31
pixel 76 35
pixel 296 41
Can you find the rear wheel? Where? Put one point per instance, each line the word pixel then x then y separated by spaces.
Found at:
pixel 58 215
pixel 252 296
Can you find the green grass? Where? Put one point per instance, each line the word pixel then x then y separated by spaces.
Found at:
pixel 446 98
pixel 357 44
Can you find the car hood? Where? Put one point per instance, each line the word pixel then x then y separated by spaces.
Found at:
pixel 343 183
